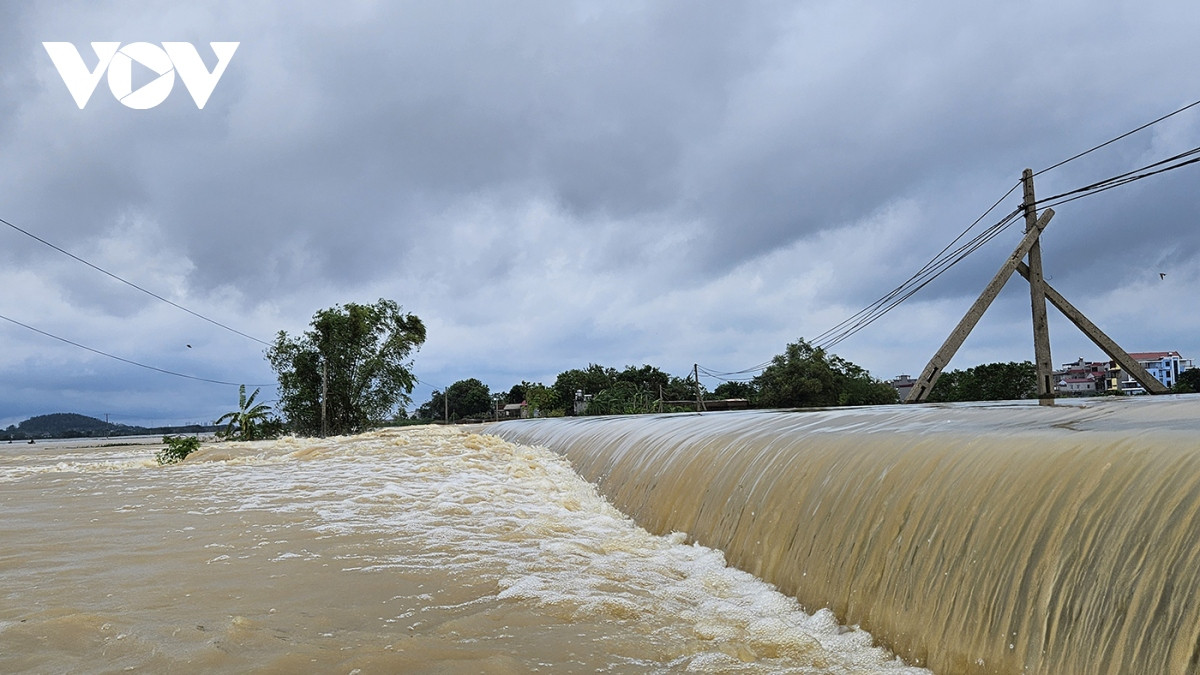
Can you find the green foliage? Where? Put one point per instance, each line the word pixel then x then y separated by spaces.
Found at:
pixel 1188 382
pixel 805 376
pixel 433 409
pixel 592 380
pixel 736 390
pixel 988 382
pixel 543 401
pixel 178 448
pixel 467 398
pixel 249 422
pixel 364 350
pixel 623 398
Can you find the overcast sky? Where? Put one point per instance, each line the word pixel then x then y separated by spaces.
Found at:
pixel 552 184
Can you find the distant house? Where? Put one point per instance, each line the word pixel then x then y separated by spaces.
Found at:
pixel 514 411
pixel 1077 386
pixel 1162 366
pixel 1081 378
pixel 903 384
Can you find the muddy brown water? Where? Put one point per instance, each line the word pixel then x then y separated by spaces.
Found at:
pixel 1003 538
pixel 419 550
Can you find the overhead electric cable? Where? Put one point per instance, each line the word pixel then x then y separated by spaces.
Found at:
pixel 937 265
pixel 1122 179
pixel 131 284
pixel 945 259
pixel 1114 140
pixel 124 360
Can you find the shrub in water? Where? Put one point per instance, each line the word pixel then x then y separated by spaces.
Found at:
pixel 178 447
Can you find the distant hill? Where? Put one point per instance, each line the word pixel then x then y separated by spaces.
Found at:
pixel 72 425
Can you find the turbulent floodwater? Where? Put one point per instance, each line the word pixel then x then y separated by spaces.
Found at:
pixel 1007 538
pixel 417 550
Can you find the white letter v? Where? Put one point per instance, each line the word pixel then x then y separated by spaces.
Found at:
pixel 198 80
pixel 80 82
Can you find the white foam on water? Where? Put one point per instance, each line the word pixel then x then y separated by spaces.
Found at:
pixel 521 519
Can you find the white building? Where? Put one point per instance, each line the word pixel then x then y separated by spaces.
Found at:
pixel 1163 366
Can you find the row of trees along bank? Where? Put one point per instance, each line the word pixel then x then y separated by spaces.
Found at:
pixel 352 370
pixel 803 376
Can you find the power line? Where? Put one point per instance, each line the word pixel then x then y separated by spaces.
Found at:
pixel 124 360
pixel 1123 178
pixel 945 259
pixel 1114 140
pixel 939 263
pixel 131 284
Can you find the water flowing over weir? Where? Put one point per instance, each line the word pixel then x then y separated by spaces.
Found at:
pixel 414 550
pixel 1004 538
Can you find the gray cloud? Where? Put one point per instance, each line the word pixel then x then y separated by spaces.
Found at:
pixel 549 184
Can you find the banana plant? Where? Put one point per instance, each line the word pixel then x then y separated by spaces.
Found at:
pixel 244 424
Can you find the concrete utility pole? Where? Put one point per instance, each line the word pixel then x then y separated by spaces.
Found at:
pixel 933 370
pixel 1037 298
pixel 699 399
pixel 1039 292
pixel 1101 340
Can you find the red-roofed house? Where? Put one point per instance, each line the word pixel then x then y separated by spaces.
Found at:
pixel 1164 366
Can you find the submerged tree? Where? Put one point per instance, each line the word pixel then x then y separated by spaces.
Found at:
pixel 356 354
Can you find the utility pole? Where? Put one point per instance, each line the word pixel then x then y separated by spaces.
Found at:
pixel 446 403
pixel 933 370
pixel 1037 298
pixel 699 399
pixel 1039 293
pixel 324 397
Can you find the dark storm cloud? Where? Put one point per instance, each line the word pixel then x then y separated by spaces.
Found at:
pixel 571 182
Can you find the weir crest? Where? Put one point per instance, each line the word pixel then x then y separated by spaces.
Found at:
pixel 997 538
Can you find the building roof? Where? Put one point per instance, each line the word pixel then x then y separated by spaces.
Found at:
pixel 1151 356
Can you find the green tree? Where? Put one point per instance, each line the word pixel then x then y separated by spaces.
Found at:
pixel 434 408
pixel 469 398
pixel 805 376
pixel 1188 382
pixel 465 398
pixel 543 401
pixel 987 382
pixel 591 380
pixel 735 390
pixel 623 398
pixel 362 354
pixel 645 377
pixel 249 422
